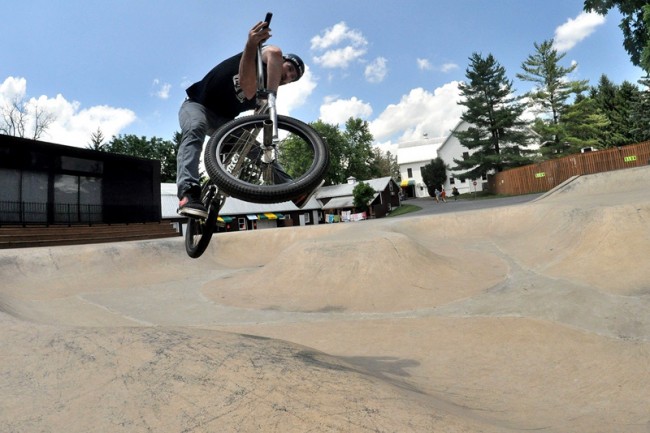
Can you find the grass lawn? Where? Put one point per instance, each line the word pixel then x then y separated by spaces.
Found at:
pixel 403 209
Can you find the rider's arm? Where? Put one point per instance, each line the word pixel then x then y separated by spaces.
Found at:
pixel 272 57
pixel 248 65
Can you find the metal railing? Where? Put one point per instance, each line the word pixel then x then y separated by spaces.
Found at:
pixel 15 212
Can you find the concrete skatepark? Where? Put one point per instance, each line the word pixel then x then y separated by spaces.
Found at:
pixel 527 317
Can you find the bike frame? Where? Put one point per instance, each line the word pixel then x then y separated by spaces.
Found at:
pixel 266 101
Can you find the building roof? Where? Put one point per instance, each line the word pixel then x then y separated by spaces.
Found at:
pixel 232 206
pixel 346 189
pixel 424 149
pixel 341 193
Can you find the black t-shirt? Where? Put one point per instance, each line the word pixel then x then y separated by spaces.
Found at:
pixel 220 91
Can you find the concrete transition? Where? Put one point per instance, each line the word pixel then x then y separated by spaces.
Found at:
pixel 525 317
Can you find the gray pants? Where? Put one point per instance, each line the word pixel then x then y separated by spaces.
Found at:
pixel 196 123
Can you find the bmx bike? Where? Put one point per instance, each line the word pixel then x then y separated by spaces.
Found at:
pixel 262 158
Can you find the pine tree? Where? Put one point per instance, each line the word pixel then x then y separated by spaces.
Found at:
pixel 641 112
pixel 497 135
pixel 584 125
pixel 96 140
pixel 550 95
pixel 616 103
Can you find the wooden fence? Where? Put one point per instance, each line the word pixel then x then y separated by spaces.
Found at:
pixel 544 176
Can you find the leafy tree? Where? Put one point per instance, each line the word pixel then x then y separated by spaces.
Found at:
pixel 551 94
pixel 496 132
pixel 385 164
pixel 358 156
pixel 645 53
pixel 154 148
pixel 635 26
pixel 295 155
pixel 363 194
pixel 336 144
pixel 434 174
pixel 351 153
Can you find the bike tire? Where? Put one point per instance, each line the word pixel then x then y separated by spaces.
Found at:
pixel 197 236
pixel 239 137
pixel 199 231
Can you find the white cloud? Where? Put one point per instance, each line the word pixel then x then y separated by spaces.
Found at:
pixel 575 30
pixel 376 71
pixel 294 95
pixel 161 90
pixel 339 46
pixel 424 65
pixel 337 34
pixel 339 58
pixel 418 113
pixel 338 111
pixel 72 125
pixel 13 88
pixel 448 67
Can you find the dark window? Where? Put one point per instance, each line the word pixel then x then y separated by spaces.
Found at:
pixel 89 166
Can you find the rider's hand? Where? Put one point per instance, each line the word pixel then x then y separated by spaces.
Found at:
pixel 258 34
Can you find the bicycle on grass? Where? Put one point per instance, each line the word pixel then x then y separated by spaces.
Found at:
pixel 261 158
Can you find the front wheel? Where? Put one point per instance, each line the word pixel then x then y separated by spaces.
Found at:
pixel 241 166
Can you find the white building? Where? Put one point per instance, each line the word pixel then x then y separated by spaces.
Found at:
pixel 411 157
pixel 451 149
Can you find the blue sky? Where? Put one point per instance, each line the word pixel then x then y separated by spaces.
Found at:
pixel 122 66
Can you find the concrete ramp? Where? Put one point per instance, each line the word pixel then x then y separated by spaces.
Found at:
pixel 527 317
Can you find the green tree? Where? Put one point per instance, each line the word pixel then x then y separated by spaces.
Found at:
pixel 551 94
pixel 640 115
pixel 584 124
pixel 351 152
pixel 634 24
pixel 336 144
pixel 385 164
pixel 497 134
pixel 617 104
pixel 154 148
pixel 358 156
pixel 363 193
pixel 434 175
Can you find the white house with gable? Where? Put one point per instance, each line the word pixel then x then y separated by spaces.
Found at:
pixel 451 149
pixel 411 157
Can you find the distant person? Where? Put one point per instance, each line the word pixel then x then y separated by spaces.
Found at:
pixel 455 193
pixel 226 91
pixel 443 195
pixel 437 195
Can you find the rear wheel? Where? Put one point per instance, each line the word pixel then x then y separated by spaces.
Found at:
pixel 200 231
pixel 242 167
